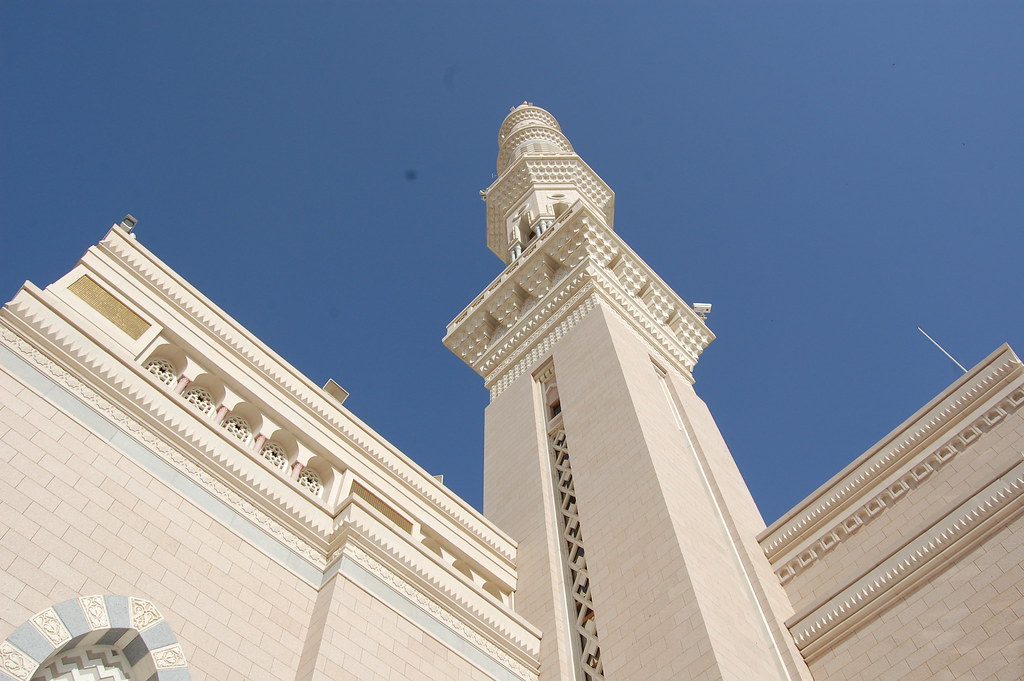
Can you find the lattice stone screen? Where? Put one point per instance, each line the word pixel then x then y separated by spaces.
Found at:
pixel 579 581
pixel 163 370
pixel 275 454
pixel 311 481
pixel 239 427
pixel 200 399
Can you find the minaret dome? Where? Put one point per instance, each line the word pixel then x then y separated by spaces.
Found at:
pixel 529 129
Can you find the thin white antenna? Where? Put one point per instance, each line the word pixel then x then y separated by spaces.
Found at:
pixel 943 350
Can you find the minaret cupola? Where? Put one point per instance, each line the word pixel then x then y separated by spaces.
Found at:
pixel 540 177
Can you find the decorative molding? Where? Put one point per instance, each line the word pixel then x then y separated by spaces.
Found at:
pixel 144 614
pixel 95 609
pixel 169 657
pixel 51 627
pixel 451 586
pixel 938 546
pixel 498 339
pixel 170 454
pixel 874 465
pixel 900 489
pixel 444 615
pixel 265 364
pixel 541 342
pixel 16 663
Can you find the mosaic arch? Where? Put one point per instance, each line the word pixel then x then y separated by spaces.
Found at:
pixel 94 638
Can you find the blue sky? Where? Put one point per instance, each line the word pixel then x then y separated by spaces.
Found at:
pixel 829 175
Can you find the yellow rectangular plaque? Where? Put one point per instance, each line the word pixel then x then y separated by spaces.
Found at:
pixel 112 309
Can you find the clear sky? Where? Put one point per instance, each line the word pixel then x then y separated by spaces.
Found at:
pixel 829 175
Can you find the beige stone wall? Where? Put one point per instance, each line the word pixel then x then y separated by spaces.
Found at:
pixel 743 521
pixel 356 637
pixel 670 595
pixel 80 517
pixel 966 623
pixel 77 518
pixel 668 568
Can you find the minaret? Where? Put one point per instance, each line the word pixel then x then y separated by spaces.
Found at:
pixel 637 556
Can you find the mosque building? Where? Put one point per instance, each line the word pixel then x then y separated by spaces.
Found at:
pixel 178 502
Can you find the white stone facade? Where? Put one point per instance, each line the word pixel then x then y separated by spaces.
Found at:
pixel 177 501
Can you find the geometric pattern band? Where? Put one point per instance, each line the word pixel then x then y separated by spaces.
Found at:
pixel 99 663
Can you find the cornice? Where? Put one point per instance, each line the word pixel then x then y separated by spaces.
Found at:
pixel 848 492
pixel 916 471
pixel 500 332
pixel 821 626
pixel 446 592
pixel 525 665
pixel 262 361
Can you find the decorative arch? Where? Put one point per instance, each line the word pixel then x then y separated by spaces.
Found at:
pixel 167 363
pixel 121 636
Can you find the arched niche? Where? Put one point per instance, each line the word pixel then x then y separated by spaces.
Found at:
pixel 280 450
pixel 205 393
pixel 324 474
pixel 244 421
pixel 173 354
pixel 167 363
pixel 115 637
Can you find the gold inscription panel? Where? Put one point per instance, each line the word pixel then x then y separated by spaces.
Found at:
pixel 116 312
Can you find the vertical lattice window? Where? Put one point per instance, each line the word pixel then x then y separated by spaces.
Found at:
pixel 162 369
pixel 200 399
pixel 311 481
pixel 238 427
pixel 579 580
pixel 275 454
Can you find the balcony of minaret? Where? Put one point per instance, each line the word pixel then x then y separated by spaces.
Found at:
pixel 578 251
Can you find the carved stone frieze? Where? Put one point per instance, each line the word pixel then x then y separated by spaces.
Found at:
pixel 901 488
pixel 16 663
pixel 95 609
pixel 444 584
pixel 169 453
pixel 817 629
pixel 51 626
pixel 835 506
pixel 575 251
pixel 143 613
pixel 169 657
pixel 133 257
